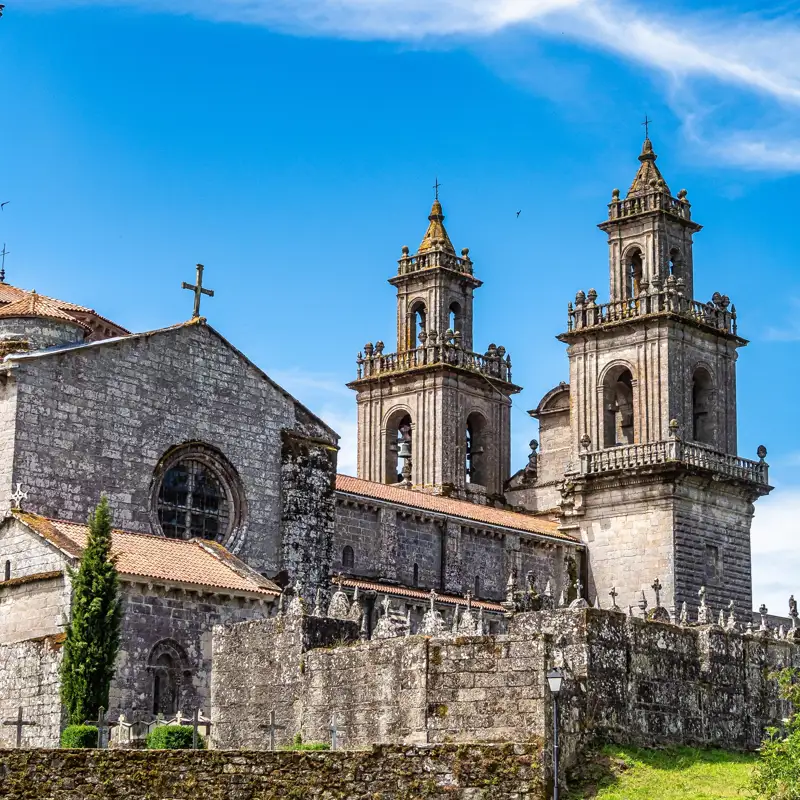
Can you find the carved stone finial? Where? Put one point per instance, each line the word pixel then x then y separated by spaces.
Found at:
pixel 721 620
pixel 731 623
pixel 674 428
pixel 318 603
pixel 17 496
pixel 643 603
pixel 763 611
pixel 684 618
pixel 761 452
pixel 586 441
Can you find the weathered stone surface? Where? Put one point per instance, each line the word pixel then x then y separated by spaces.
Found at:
pixel 441 772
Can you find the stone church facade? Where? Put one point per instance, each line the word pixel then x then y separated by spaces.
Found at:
pixel 635 476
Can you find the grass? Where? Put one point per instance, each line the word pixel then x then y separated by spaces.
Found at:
pixel 680 773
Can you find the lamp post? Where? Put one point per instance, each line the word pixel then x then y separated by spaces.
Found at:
pixel 555 678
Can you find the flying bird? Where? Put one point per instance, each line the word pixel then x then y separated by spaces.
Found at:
pixel 519 212
pixel 4 204
pixel 1 9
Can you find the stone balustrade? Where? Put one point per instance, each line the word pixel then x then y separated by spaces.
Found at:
pixel 655 200
pixel 633 456
pixel 435 258
pixel 495 363
pixel 718 313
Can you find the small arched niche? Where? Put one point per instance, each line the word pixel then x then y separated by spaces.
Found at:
pixel 169 668
pixel 398 433
pixel 417 322
pixel 702 406
pixel 676 264
pixel 618 427
pixel 476 467
pixel 634 271
pixel 348 557
pixel 455 317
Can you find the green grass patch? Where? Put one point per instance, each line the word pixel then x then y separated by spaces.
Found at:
pixel 679 773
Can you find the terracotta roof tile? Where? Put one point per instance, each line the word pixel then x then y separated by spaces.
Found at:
pixel 192 561
pixel 417 594
pixel 447 505
pixel 37 305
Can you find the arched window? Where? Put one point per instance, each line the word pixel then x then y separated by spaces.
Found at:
pixel 398 446
pixel 169 667
pixel 475 449
pixel 348 557
pixel 418 322
pixel 618 426
pixel 197 493
pixel 454 321
pixel 7 571
pixel 415 578
pixel 702 406
pixel 675 263
pixel 477 592
pixel 633 273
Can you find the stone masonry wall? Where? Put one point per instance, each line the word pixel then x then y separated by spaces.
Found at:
pixel 99 419
pixel 443 772
pixel 29 678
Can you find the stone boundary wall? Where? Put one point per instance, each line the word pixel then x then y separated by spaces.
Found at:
pixel 29 678
pixel 407 690
pixel 442 772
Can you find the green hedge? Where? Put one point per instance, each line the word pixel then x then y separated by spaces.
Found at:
pixel 299 744
pixel 173 737
pixel 79 736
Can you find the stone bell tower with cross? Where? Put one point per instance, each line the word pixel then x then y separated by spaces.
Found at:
pixel 435 415
pixel 655 486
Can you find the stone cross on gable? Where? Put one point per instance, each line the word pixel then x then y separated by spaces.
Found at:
pixel 17 496
pixel 336 732
pixel 657 587
pixel 613 594
pixel 19 723
pixel 198 290
pixel 272 727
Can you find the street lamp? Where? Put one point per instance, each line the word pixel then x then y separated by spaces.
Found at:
pixel 555 679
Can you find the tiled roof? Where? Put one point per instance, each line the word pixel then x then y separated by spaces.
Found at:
pixel 416 594
pixel 451 507
pixel 36 305
pixel 192 561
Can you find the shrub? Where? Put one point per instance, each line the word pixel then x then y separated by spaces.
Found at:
pixel 299 744
pixel 777 773
pixel 173 737
pixel 79 736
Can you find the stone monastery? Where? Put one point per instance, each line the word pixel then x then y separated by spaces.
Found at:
pixel 635 488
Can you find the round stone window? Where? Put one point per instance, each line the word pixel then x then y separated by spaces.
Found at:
pixel 197 494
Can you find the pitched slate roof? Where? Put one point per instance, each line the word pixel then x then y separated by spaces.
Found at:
pixel 455 508
pixel 194 561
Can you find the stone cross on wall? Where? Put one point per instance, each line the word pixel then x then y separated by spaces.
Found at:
pixel 19 723
pixel 613 594
pixel 103 727
pixel 335 732
pixel 196 723
pixel 272 727
pixel 657 587
pixel 17 496
pixel 433 600
pixel 579 587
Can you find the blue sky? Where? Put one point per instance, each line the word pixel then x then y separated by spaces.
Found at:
pixel 291 147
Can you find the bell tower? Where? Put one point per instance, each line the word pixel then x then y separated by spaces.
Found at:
pixel 655 486
pixel 434 415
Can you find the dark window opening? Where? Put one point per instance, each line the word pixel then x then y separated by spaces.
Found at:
pixel 348 557
pixel 713 564
pixel 634 274
pixel 415 579
pixel 618 426
pixel 417 324
pixel 398 447
pixel 192 502
pixel 7 571
pixel 475 450
pixel 454 320
pixel 477 591
pixel 702 402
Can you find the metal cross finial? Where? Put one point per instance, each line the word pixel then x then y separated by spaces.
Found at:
pixel 19 723
pixel 646 124
pixel 657 587
pixel 4 253
pixel 436 186
pixel 17 496
pixel 198 290
pixel 272 727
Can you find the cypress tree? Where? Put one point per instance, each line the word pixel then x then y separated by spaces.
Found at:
pixel 93 634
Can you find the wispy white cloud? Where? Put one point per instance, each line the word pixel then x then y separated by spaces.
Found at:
pixel 790 330
pixel 753 52
pixel 776 555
